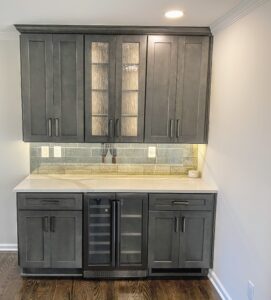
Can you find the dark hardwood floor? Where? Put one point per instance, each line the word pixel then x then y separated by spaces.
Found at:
pixel 14 287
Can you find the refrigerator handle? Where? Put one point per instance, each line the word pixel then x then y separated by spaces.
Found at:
pixel 118 216
pixel 113 233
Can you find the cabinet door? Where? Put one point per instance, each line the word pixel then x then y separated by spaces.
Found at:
pixel 130 88
pixel 100 231
pixel 161 89
pixel 99 88
pixel 164 239
pixel 68 122
pixel 131 241
pixel 196 239
pixel 37 86
pixel 66 239
pixel 192 89
pixel 34 239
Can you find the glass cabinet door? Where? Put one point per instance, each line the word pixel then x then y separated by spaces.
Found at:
pixel 100 77
pixel 130 88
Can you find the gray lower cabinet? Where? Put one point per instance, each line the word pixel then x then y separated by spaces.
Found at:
pixel 180 239
pixel 50 233
pixel 177 91
pixel 50 239
pixel 34 239
pixel 52 87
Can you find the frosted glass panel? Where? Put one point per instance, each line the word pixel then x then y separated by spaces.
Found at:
pixel 129 126
pixel 99 53
pixel 99 126
pixel 129 103
pixel 130 53
pixel 99 102
pixel 99 77
pixel 130 77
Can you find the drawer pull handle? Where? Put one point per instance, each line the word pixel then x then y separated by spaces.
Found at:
pixel 50 201
pixel 180 202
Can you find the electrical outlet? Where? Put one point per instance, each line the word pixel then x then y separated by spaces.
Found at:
pixel 44 151
pixel 57 151
pixel 151 152
pixel 250 290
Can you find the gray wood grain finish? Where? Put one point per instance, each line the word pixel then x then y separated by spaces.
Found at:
pixel 111 65
pixel 34 239
pixel 105 29
pixel 163 239
pixel 142 42
pixel 181 236
pixel 49 201
pixel 68 98
pixel 181 202
pixel 192 87
pixel 196 239
pixel 161 89
pixel 50 230
pixel 37 86
pixel 66 239
pixel 52 87
pixel 177 100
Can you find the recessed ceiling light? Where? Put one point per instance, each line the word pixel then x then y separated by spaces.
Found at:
pixel 173 14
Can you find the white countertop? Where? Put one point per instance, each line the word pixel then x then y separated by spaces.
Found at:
pixel 114 183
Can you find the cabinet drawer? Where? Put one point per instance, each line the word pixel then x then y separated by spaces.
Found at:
pixel 182 201
pixel 49 201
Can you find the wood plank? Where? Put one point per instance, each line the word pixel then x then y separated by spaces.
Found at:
pixel 15 287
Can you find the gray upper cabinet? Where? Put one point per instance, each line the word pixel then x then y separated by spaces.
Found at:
pixel 37 86
pixel 114 88
pixel 161 89
pixel 192 89
pixel 99 88
pixel 177 89
pixel 52 87
pixel 130 88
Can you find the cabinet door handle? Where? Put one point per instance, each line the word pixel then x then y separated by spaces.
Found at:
pixel 118 229
pixel 178 128
pixel 117 128
pixel 180 202
pixel 52 224
pixel 113 231
pixel 171 128
pixel 45 223
pixel 57 126
pixel 183 224
pixel 110 128
pixel 176 225
pixel 50 126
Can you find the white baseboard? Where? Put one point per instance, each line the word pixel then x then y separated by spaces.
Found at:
pixel 218 286
pixel 8 247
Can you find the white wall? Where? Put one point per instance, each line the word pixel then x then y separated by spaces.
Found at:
pixel 14 154
pixel 238 154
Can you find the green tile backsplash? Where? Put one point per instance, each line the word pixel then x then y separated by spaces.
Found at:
pixel 174 159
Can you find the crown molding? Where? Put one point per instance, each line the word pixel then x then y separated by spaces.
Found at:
pixel 9 36
pixel 235 14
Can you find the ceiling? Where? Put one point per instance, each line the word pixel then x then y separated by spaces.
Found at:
pixel 111 12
